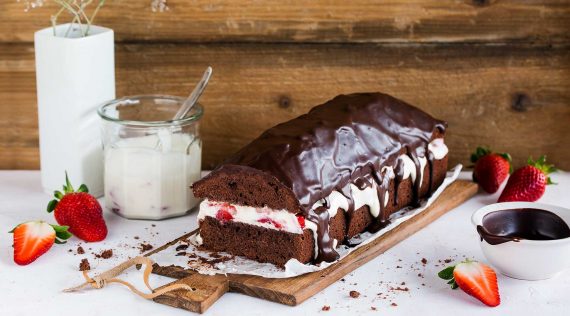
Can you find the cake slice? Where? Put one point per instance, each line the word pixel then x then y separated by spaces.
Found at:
pixel 310 184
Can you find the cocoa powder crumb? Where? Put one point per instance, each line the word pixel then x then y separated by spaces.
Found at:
pixel 373 308
pixel 447 260
pixel 326 308
pixel 80 250
pixel 84 265
pixel 394 304
pixel 424 261
pixel 136 237
pixel 354 294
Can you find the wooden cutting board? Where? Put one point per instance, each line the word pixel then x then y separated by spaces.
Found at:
pixel 293 291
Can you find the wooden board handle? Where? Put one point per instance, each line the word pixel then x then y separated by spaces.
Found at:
pixel 207 290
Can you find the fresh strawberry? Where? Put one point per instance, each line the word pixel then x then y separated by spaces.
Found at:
pixel 491 169
pixel 33 239
pixel 529 182
pixel 301 221
pixel 80 211
pixel 475 279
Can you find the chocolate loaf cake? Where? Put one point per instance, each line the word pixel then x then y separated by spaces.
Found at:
pixel 310 184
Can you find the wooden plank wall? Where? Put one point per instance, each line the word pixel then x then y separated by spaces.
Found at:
pixel 497 71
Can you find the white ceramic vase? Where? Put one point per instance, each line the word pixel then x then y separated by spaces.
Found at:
pixel 74 75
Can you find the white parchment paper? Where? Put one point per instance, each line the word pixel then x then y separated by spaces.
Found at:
pixel 206 262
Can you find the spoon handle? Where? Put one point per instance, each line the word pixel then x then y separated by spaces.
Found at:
pixel 194 96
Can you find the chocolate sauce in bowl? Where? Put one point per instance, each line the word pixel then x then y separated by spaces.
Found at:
pixel 526 223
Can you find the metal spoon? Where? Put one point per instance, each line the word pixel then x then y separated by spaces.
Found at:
pixel 194 96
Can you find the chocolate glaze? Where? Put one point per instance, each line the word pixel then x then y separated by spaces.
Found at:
pixel 345 140
pixel 527 223
pixel 325 251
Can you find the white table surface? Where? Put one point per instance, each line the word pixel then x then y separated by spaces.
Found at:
pixel 36 289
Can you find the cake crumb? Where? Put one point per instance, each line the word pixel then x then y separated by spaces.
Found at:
pixel 80 250
pixel 146 247
pixel 106 254
pixel 136 237
pixel 394 304
pixel 447 260
pixel 354 294
pixel 326 308
pixel 373 308
pixel 84 265
pixel 424 261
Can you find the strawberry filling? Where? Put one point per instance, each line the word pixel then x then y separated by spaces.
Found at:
pixel 301 221
pixel 225 213
pixel 224 216
pixel 270 221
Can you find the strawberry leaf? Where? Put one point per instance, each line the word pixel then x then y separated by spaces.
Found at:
pixel 447 273
pixel 83 188
pixel 58 228
pixel 61 233
pixel 479 152
pixel 60 242
pixel 58 195
pixel 453 284
pixel 68 188
pixel 51 205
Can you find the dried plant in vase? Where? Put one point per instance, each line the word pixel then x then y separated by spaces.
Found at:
pixel 82 12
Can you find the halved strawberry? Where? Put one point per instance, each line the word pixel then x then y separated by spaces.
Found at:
pixel 474 278
pixel 33 239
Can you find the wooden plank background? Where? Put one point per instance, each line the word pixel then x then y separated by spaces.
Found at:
pixel 497 71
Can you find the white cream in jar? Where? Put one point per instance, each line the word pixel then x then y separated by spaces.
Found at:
pixel 150 165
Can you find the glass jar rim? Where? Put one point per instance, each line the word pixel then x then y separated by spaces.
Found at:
pixel 197 111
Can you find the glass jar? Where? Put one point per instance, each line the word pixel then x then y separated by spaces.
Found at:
pixel 150 160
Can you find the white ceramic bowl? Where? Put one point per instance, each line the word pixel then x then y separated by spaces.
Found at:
pixel 527 259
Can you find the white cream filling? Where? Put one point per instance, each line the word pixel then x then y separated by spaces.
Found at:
pixel 258 216
pixel 423 163
pixel 367 196
pixel 438 148
pixel 409 167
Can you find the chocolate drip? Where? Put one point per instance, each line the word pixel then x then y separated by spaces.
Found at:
pixel 325 244
pixel 430 159
pixel 399 171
